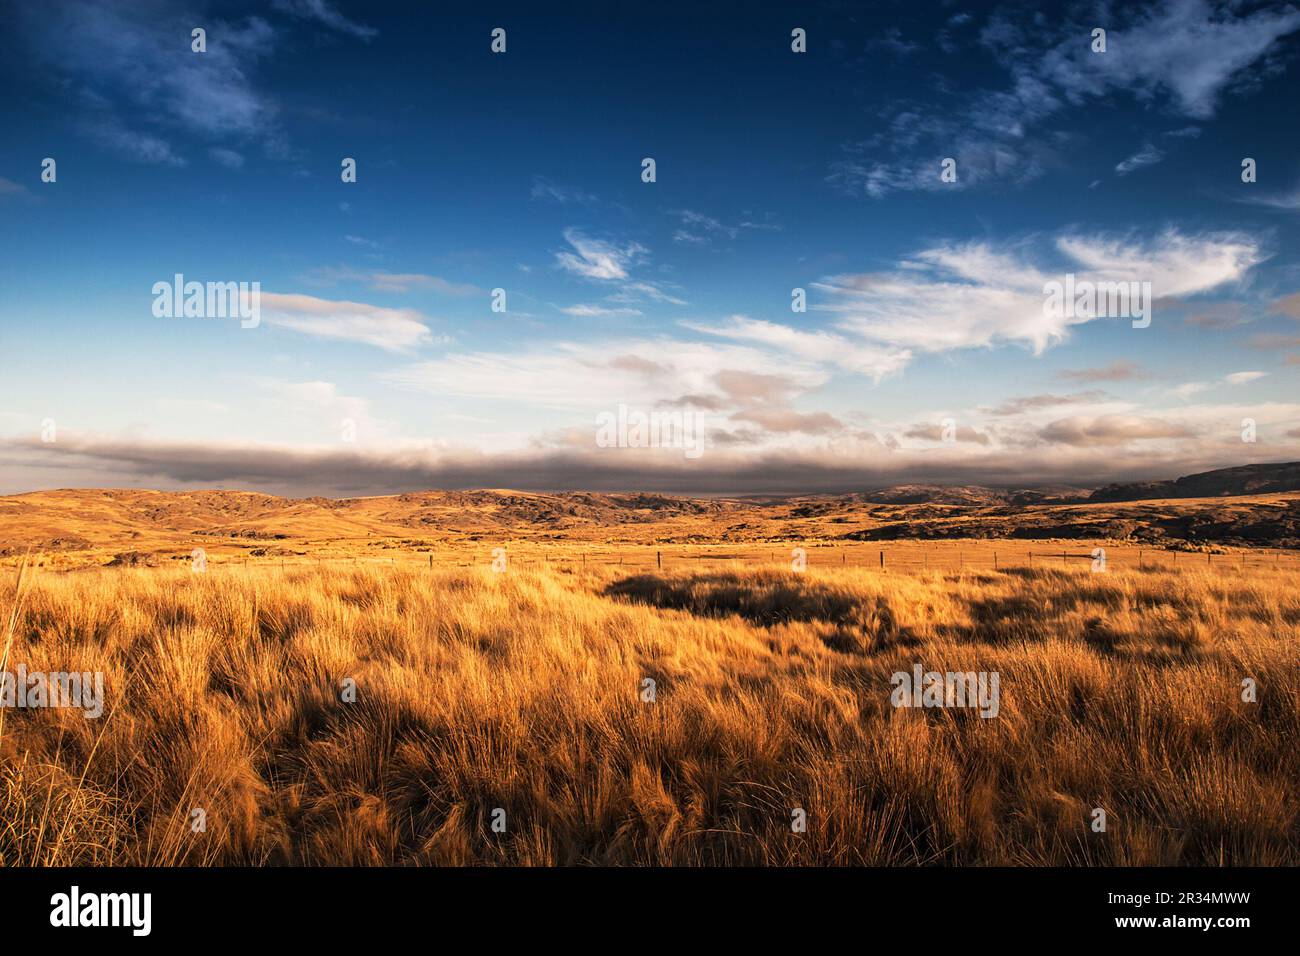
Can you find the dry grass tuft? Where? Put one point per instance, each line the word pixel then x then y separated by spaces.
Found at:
pixel 520 691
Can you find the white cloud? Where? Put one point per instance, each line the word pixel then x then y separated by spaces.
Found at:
pixel 318 407
pixel 974 295
pixel 609 262
pixel 1285 201
pixel 1174 263
pixel 1188 389
pixel 1148 155
pixel 324 12
pixel 648 290
pixel 1187 49
pixel 1180 55
pixel 599 375
pixel 585 311
pixel 396 330
pixel 819 346
pixel 595 258
pixel 1242 378
pixel 1080 452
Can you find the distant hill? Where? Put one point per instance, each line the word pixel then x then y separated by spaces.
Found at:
pixel 1241 480
pixel 968 495
pixel 74 528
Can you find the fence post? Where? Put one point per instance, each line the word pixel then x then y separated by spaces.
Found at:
pixel 659 559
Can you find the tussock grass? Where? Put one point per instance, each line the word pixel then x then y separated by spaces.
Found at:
pixel 520 691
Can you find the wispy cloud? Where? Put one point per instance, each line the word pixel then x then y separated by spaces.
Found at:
pixel 322 408
pixel 324 12
pixel 1272 341
pixel 1121 370
pixel 1033 403
pixel 406 281
pixel 975 295
pixel 134 85
pixel 395 330
pixel 818 346
pixel 1284 201
pixel 1086 431
pixel 600 374
pixel 119 60
pixel 596 258
pixel 653 291
pixel 1243 378
pixel 1187 51
pixel 611 263
pixel 1148 155
pixel 1188 389
pixel 227 157
pixel 1212 315
pixel 549 191
pixel 12 190
pixel 587 311
pixel 935 432
pixel 382 281
pixel 1179 56
pixel 1081 450
pixel 698 229
pixel 1288 305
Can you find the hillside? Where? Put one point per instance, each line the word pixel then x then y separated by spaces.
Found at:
pixel 1242 480
pixel 86 527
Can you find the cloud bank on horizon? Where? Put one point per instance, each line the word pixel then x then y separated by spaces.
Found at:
pixel 801 292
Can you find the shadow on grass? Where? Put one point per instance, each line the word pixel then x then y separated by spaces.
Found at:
pixel 857 623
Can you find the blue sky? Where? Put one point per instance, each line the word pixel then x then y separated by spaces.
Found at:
pixel 379 365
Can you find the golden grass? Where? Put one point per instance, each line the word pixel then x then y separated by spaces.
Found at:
pixel 521 691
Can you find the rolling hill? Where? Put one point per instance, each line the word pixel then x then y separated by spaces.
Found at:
pixel 1252 506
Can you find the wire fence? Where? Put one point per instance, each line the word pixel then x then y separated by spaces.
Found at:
pixel 944 556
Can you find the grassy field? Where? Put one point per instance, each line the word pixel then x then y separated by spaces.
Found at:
pixel 518 698
pixel 89 528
